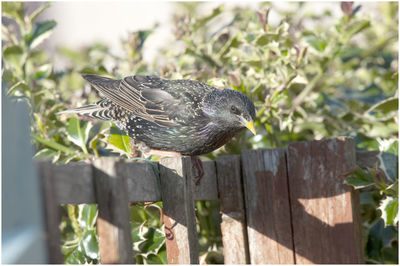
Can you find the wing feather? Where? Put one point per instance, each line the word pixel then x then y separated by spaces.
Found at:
pixel 141 95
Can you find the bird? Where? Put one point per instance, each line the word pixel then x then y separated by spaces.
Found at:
pixel 170 117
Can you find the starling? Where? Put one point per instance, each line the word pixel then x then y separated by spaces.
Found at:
pixel 172 116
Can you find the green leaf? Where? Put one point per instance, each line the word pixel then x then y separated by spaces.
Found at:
pixel 14 10
pixel 41 31
pixel 316 42
pixel 137 235
pixel 43 71
pixel 119 140
pixel 76 257
pixel 360 179
pixel 53 144
pixel 386 106
pixel 388 158
pixel 155 239
pixel 390 210
pixel 45 154
pixel 19 85
pixel 87 215
pixel 90 245
pixel 201 22
pixel 38 11
pixel 68 158
pixel 14 56
pixel 266 38
pixel 78 132
pixel 355 28
pixel 162 255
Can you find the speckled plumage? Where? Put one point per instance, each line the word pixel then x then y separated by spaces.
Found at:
pixel 183 116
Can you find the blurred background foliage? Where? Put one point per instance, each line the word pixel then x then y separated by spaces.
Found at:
pixel 337 77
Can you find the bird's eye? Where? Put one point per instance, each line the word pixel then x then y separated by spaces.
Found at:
pixel 234 110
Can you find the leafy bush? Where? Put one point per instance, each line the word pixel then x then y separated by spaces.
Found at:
pixel 335 78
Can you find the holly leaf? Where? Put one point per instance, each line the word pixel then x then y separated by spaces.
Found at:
pixel 78 132
pixel 360 179
pixel 390 210
pixel 119 140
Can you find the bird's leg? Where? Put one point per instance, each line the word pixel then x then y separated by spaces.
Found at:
pixel 134 152
pixel 199 165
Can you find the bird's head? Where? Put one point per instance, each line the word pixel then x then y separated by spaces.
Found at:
pixel 230 109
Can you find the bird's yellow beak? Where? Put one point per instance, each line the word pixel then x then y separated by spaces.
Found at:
pixel 250 126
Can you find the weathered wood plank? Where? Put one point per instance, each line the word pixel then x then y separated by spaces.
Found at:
pixel 73 183
pixel 326 224
pixel 142 180
pixel 178 208
pixel 207 188
pixel 51 212
pixel 233 226
pixel 267 207
pixel 113 224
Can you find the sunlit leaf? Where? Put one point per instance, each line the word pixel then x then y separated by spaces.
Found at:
pixel 87 215
pixel 78 132
pixel 386 106
pixel 40 32
pixel 43 71
pixel 38 11
pixel 390 210
pixel 119 140
pixel 90 245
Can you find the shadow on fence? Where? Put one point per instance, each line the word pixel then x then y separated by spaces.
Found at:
pixel 278 205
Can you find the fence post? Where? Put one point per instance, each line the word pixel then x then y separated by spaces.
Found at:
pixel 233 226
pixel 326 219
pixel 178 207
pixel 267 207
pixel 51 212
pixel 113 222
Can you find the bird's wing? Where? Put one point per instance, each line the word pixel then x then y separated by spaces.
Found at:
pixel 147 97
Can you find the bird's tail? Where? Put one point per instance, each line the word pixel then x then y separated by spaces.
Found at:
pixel 90 111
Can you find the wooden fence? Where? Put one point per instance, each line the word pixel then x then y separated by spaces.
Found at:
pixel 278 205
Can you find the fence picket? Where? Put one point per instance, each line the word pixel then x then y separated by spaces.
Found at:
pixel 113 222
pixel 233 225
pixel 326 220
pixel 51 212
pixel 178 207
pixel 267 207
pixel 278 205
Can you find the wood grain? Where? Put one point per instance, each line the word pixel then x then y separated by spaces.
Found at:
pixel 267 207
pixel 233 226
pixel 73 183
pixel 325 219
pixel 178 206
pixel 207 188
pixel 113 222
pixel 51 212
pixel 142 180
